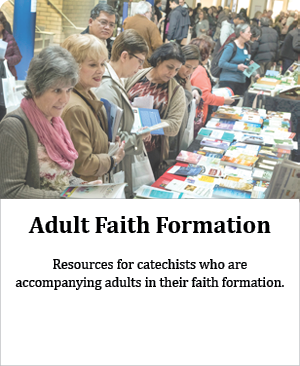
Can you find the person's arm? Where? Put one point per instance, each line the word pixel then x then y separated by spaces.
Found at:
pixel 14 155
pixel 16 57
pixel 88 163
pixel 202 81
pixel 287 44
pixel 133 143
pixel 175 113
pixel 254 49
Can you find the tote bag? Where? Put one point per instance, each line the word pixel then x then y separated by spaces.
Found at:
pixel 141 171
pixel 9 89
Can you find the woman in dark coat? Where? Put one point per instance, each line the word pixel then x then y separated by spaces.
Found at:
pixel 12 55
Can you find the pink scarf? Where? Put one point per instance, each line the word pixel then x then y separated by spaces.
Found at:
pixel 55 137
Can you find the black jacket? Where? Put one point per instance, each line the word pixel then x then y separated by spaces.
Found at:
pixel 109 42
pixel 266 48
pixel 179 24
pixel 287 48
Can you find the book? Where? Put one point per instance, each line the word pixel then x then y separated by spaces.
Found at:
pixel 240 185
pixel 144 117
pixel 190 170
pixel 195 189
pixel 151 192
pixel 251 139
pixel 241 161
pixel 220 124
pixel 216 143
pixel 188 157
pixel 251 69
pixel 274 153
pixel 234 172
pixel 254 128
pixel 237 148
pixel 265 163
pixel 208 154
pixel 222 192
pixel 97 191
pixel 258 192
pixel 221 135
pixel 284 143
pixel 262 174
pixel 114 115
pixel 228 113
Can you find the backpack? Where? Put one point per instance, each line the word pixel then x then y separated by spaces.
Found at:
pixel 215 69
pixel 296 40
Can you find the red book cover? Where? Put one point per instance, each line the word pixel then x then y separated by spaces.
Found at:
pixel 166 178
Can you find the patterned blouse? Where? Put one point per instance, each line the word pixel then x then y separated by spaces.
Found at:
pixel 52 176
pixel 145 88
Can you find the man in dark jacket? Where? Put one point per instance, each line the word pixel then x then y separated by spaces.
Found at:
pixel 265 50
pixel 179 22
pixel 287 52
pixel 102 24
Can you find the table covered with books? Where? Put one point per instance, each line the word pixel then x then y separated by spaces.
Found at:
pixel 241 153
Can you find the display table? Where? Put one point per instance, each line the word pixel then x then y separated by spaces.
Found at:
pixel 277 104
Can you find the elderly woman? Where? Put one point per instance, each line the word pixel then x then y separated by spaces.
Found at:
pixel 36 152
pixel 169 97
pixel 85 116
pixel 233 65
pixel 127 58
pixel 201 78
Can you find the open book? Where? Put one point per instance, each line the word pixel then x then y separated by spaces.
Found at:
pixel 149 118
pixel 97 191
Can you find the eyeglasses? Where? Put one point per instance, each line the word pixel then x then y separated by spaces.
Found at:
pixel 105 23
pixel 141 62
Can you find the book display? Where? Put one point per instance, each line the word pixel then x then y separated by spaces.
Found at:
pixel 224 163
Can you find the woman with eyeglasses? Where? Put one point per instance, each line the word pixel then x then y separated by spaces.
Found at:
pixel 169 98
pixel 128 54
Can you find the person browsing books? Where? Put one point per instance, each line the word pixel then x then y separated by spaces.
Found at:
pixel 233 63
pixel 127 58
pixel 169 98
pixel 37 154
pixel 201 78
pixel 85 116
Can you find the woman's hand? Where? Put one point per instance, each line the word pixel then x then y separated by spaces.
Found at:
pixel 257 76
pixel 188 85
pixel 251 62
pixel 146 137
pixel 228 100
pixel 242 67
pixel 120 153
pixel 118 140
pixel 196 96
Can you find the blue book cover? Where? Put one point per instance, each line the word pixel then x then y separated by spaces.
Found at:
pixel 189 170
pixel 222 192
pixel 149 118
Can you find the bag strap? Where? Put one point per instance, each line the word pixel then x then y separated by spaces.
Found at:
pixel 25 128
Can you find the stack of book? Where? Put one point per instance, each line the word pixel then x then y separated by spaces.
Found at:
pixel 225 163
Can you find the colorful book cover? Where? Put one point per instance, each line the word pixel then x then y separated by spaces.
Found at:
pixel 243 161
pixel 262 174
pixel 219 144
pixel 247 127
pixel 240 186
pixel 188 157
pixel 222 192
pixel 221 124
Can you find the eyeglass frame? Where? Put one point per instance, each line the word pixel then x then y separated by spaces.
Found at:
pixel 141 62
pixel 101 21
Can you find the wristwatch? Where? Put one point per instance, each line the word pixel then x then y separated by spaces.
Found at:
pixel 115 161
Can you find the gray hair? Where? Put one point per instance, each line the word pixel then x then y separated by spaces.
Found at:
pixel 142 7
pixel 240 28
pixel 53 67
pixel 265 21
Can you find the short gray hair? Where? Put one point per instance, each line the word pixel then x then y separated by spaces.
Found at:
pixel 142 7
pixel 53 67
pixel 265 21
pixel 240 28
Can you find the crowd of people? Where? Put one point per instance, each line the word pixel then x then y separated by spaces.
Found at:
pixel 59 134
